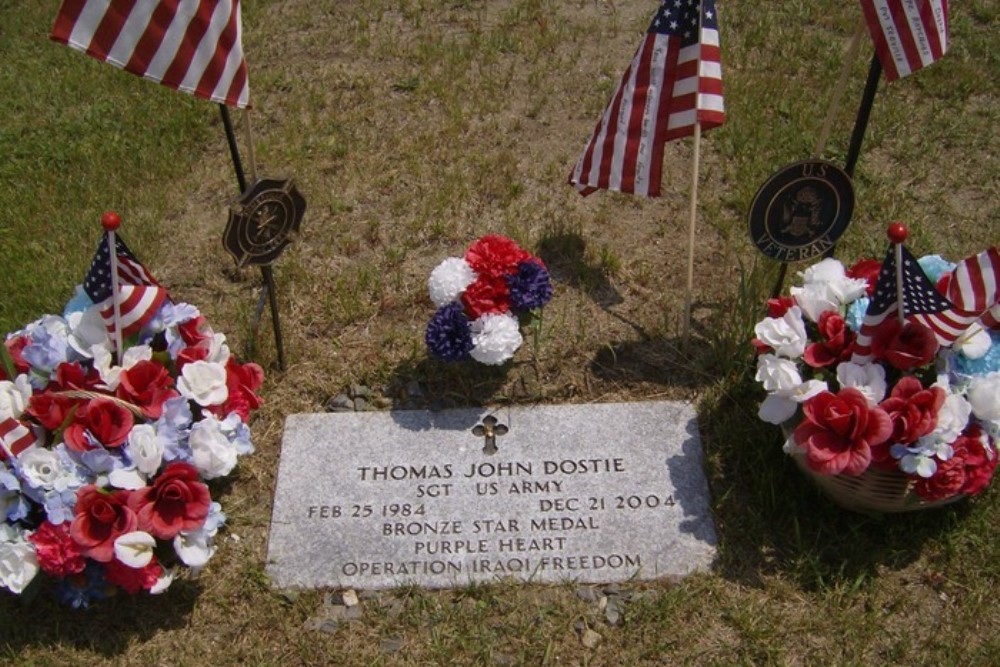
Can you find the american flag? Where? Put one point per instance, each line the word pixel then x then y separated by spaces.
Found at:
pixel 15 437
pixel 908 34
pixel 922 303
pixel 673 82
pixel 139 295
pixel 190 45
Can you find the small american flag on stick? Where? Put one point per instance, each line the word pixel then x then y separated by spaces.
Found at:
pixel 922 302
pixel 139 295
pixel 194 46
pixel 908 34
pixel 15 437
pixel 673 83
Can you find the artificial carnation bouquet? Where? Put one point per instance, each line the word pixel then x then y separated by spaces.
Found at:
pixel 481 299
pixel 105 462
pixel 899 401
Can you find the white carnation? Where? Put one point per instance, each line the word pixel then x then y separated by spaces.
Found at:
pixel 449 279
pixel 495 338
pixel 785 334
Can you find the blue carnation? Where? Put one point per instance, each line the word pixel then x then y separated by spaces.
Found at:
pixel 988 363
pixel 855 315
pixel 935 266
pixel 79 592
pixel 448 337
pixel 530 287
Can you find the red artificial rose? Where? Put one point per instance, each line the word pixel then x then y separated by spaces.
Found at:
pixel 133 579
pixel 905 345
pixel 486 295
pixel 105 421
pixel 178 500
pixel 779 306
pixel 836 344
pixel 867 269
pixel 73 376
pixel 50 410
pixel 242 381
pixel 148 385
pixel 838 430
pixel 494 256
pixel 15 348
pixel 913 409
pixel 195 331
pixel 101 517
pixel 58 555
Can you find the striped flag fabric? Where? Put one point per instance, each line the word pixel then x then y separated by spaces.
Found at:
pixel 975 282
pixel 139 295
pixel 922 303
pixel 15 436
pixel 908 34
pixel 194 46
pixel 673 82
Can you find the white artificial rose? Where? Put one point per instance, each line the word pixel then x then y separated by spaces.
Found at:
pixel 194 548
pixel 218 349
pixel 14 397
pixel 111 374
pixel 777 374
pixel 831 272
pixel 88 330
pixel 211 452
pixel 18 561
pixel 869 379
pixel 815 299
pixel 145 448
pixel 135 549
pixel 204 383
pixel 786 335
pixel 984 396
pixel 41 468
pixel 449 279
pixel 952 418
pixel 495 338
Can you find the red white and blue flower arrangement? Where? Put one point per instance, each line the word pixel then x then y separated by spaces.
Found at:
pixel 912 391
pixel 482 299
pixel 106 462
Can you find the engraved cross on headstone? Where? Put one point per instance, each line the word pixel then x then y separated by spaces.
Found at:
pixel 490 429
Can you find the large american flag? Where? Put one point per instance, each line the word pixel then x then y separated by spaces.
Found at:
pixel 673 82
pixel 922 303
pixel 139 295
pixel 908 34
pixel 190 45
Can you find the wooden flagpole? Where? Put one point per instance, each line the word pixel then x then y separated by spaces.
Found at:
pixel 692 214
pixel 110 222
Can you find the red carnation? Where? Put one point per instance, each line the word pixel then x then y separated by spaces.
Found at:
pixel 178 500
pixel 58 555
pixel 868 269
pixel 105 421
pixel 147 384
pixel 838 430
pixel 101 517
pixel 980 460
pixel 836 344
pixel 133 579
pixel 904 345
pixel 495 256
pixel 945 482
pixel 486 295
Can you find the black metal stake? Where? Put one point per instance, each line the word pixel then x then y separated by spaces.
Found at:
pixel 266 272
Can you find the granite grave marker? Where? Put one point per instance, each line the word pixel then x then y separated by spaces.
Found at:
pixel 589 493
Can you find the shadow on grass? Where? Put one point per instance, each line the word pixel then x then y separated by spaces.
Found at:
pixel 564 253
pixel 108 627
pixel 772 520
pixel 430 384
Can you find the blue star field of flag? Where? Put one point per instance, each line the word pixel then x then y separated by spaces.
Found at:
pixel 920 297
pixel 97 283
pixel 679 18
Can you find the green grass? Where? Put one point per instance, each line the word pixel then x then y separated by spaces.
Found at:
pixel 414 126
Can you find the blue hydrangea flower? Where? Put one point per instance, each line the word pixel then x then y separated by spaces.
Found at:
pixel 935 266
pixel 530 287
pixel 448 337
pixel 173 428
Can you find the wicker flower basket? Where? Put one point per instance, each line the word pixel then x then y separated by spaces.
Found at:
pixel 872 491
